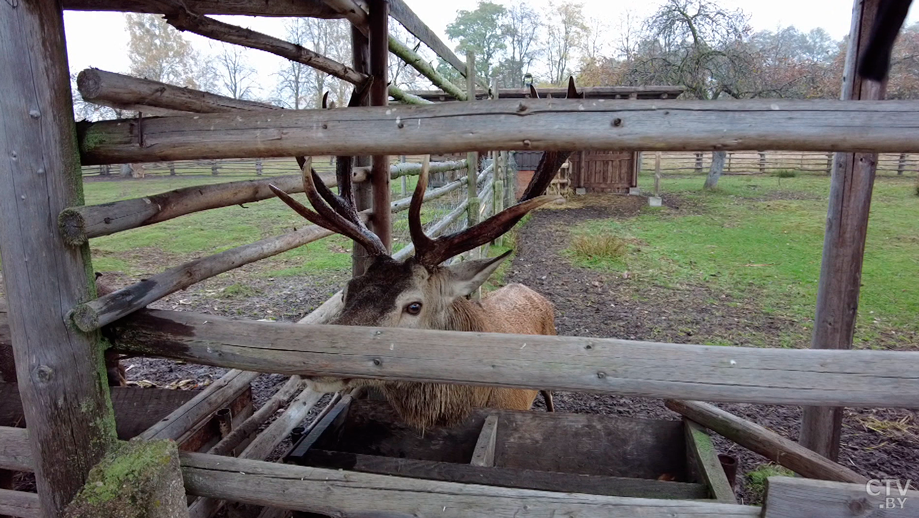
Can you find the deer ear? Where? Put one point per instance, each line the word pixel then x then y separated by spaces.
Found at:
pixel 467 276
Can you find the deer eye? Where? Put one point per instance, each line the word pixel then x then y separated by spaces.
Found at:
pixel 413 308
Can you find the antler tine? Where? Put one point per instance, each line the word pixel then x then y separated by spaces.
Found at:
pixel 347 223
pixel 421 241
pixel 303 210
pixel 443 248
pixel 533 93
pixel 572 90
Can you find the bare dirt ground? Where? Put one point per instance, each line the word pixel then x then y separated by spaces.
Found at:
pixel 878 443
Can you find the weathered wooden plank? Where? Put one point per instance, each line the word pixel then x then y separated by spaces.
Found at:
pixel 60 371
pixel 788 497
pixel 507 477
pixel 363 195
pixel 15 453
pixel 507 124
pixel 252 424
pixel 89 221
pixel 484 453
pixel 185 20
pixel 844 240
pixel 353 12
pixel 703 456
pixel 404 15
pixel 121 91
pixel 347 494
pixel 19 504
pixel 217 395
pixel 311 8
pixel 767 443
pixel 710 373
pixel 106 309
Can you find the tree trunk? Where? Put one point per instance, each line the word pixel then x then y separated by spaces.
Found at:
pixel 714 172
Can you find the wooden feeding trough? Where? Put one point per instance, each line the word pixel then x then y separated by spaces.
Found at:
pixel 571 453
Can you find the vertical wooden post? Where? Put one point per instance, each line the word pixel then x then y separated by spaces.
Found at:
pixel 360 53
pixel 472 158
pixel 498 193
pixel 379 96
pixel 657 174
pixel 762 162
pixel 829 164
pixel 901 164
pixel 698 165
pixel 844 243
pixel 404 178
pixel 60 370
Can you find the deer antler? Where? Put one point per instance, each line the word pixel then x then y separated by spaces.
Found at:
pixel 336 213
pixel 431 252
pixel 551 161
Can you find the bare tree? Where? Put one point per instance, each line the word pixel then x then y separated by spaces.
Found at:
pixel 566 31
pixel 521 29
pixel 301 86
pixel 159 52
pixel 236 75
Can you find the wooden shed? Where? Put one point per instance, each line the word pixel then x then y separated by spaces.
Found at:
pixel 609 171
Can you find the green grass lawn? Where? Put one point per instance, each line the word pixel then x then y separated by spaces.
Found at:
pixel 762 237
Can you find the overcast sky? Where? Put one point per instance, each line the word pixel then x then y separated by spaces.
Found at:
pixel 100 39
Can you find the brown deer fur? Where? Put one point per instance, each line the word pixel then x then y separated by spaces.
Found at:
pixel 379 298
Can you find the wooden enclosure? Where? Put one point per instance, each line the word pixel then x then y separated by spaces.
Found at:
pixel 59 328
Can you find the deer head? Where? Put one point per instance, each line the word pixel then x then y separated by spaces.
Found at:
pixel 419 292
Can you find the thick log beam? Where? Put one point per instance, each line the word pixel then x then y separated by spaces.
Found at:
pixel 126 92
pixel 365 494
pixel 310 8
pixel 844 240
pixel 418 63
pixel 353 12
pixel 60 371
pixel 767 443
pixel 537 124
pixel 185 20
pixel 413 24
pixel 708 373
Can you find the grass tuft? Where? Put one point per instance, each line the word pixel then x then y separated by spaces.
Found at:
pixel 785 173
pixel 598 246
pixel 756 480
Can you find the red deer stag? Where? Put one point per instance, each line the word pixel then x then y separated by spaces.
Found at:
pixel 422 293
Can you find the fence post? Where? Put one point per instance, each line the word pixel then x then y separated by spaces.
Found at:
pixel 472 158
pixel 762 162
pixel 730 158
pixel 258 167
pixel 698 166
pixel 829 164
pixel 404 183
pixel 657 174
pixel 214 167
pixel 901 164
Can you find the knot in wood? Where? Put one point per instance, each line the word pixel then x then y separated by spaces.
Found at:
pixel 601 375
pixel 377 362
pixel 526 143
pixel 521 108
pixel 617 122
pixel 44 374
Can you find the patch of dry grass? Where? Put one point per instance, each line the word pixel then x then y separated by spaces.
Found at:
pixel 596 246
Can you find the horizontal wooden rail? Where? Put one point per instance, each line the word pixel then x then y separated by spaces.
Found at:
pixel 217 395
pixel 310 8
pixel 768 444
pixel 589 92
pixel 365 494
pixel 121 91
pixel 707 373
pixel 538 124
pixel 19 504
pixel 78 224
pixel 253 422
pixel 108 308
pixel 431 194
pixel 15 451
pixel 788 497
pixel 404 97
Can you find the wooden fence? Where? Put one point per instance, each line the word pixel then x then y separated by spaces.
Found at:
pixel 45 270
pixel 772 162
